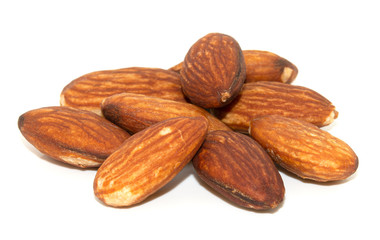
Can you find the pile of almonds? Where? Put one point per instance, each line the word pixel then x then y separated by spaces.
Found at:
pixel 234 114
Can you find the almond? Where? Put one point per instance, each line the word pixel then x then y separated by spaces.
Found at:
pixel 213 71
pixel 135 112
pixel 148 160
pixel 263 66
pixel 73 136
pixel 304 149
pixel 88 91
pixel 239 168
pixel 273 98
pixel 267 66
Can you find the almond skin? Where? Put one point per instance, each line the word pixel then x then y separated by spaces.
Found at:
pixel 88 91
pixel 267 66
pixel 77 137
pixel 304 149
pixel 148 160
pixel 273 98
pixel 239 168
pixel 213 71
pixel 263 66
pixel 135 112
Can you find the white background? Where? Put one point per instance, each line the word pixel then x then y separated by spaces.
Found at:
pixel 46 44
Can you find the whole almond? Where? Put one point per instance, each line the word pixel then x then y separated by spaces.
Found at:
pixel 273 98
pixel 267 66
pixel 88 91
pixel 263 66
pixel 304 149
pixel 135 112
pixel 239 168
pixel 148 160
pixel 77 137
pixel 213 71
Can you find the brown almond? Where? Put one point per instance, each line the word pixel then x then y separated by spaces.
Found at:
pixel 267 66
pixel 304 149
pixel 263 66
pixel 148 160
pixel 135 112
pixel 77 137
pixel 239 168
pixel 213 71
pixel 88 91
pixel 273 98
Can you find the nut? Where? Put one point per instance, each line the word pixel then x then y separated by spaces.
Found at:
pixel 267 66
pixel 263 66
pixel 88 91
pixel 239 168
pixel 304 149
pixel 148 160
pixel 213 71
pixel 273 98
pixel 73 136
pixel 135 112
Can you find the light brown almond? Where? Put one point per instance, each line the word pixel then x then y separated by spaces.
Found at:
pixel 135 112
pixel 267 66
pixel 304 149
pixel 77 137
pixel 273 98
pixel 88 91
pixel 148 160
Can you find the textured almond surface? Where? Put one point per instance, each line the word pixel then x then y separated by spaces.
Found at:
pixel 88 91
pixel 304 149
pixel 274 98
pixel 267 66
pixel 148 160
pixel 213 71
pixel 135 112
pixel 74 136
pixel 240 169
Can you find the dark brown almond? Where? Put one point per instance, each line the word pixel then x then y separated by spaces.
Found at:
pixel 148 160
pixel 273 98
pixel 88 91
pixel 267 66
pixel 73 136
pixel 135 112
pixel 213 71
pixel 304 149
pixel 239 168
